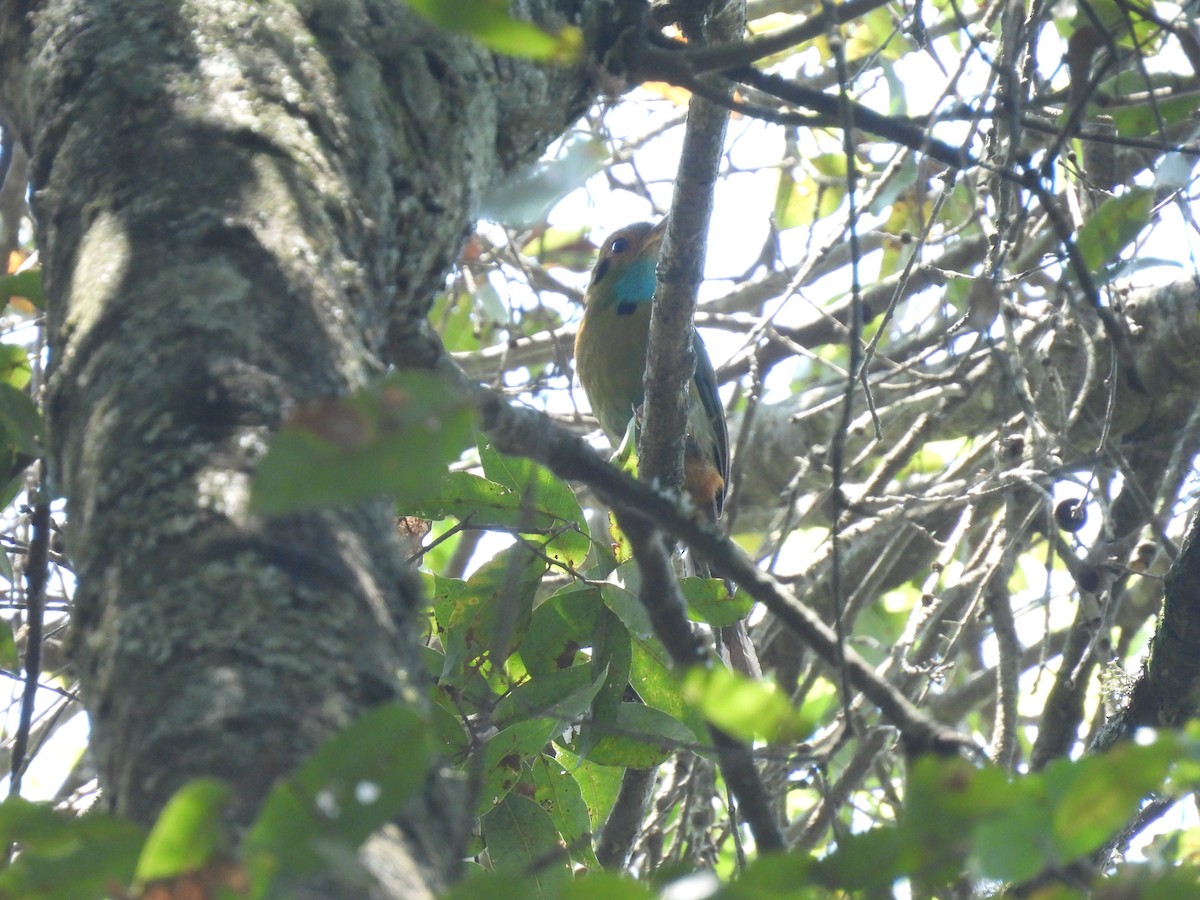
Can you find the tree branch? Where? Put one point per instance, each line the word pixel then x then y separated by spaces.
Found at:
pixel 671 360
pixel 624 821
pixel 730 53
pixel 917 139
pixel 36 573
pixel 1168 692
pixel 530 434
pixel 660 594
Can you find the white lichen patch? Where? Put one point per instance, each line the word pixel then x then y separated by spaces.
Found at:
pixel 223 491
pixel 103 262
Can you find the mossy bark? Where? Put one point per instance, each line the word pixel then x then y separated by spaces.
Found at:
pixel 241 207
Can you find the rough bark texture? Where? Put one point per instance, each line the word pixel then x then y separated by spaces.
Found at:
pixel 1167 694
pixel 242 206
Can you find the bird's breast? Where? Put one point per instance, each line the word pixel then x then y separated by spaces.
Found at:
pixel 610 356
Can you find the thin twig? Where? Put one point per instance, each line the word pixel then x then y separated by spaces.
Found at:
pixel 854 352
pixel 998 603
pixel 36 575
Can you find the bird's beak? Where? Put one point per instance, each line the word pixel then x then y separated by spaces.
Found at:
pixel 655 236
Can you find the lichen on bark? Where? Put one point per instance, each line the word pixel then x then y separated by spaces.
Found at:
pixel 242 207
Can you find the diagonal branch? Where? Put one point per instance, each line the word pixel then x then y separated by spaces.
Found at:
pixel 729 53
pixel 531 434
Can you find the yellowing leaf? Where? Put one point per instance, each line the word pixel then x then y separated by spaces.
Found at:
pixel 187 833
pixel 488 22
pixel 746 708
pixel 677 95
pixel 23 290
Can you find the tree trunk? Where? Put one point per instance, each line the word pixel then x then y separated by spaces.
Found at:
pixel 243 206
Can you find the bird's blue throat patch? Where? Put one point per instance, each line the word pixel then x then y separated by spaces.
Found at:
pixel 635 285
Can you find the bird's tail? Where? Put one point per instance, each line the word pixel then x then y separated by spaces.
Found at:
pixel 738 652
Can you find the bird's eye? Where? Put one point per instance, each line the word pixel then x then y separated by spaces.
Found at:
pixel 618 245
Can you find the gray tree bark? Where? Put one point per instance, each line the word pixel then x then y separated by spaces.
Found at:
pixel 244 206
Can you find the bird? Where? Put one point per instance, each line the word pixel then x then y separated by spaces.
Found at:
pixel 610 359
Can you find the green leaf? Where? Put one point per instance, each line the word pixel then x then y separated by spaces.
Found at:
pixel 1094 797
pixel 187 833
pixel 628 608
pixel 521 837
pixel 1115 225
pixel 831 165
pixel 709 602
pixel 1146 119
pixel 1109 16
pixel 451 319
pixel 14 365
pixel 785 876
pixel 547 498
pixel 654 678
pixel 488 21
pixel 641 737
pixel 1142 881
pixel 606 886
pixel 955 791
pixel 616 550
pixel 612 654
pixel 1014 846
pixel 27 284
pixel 793 202
pixel 946 799
pixel 559 627
pixel 746 708
pixel 507 754
pixel 516 886
pixel 447 727
pixel 598 785
pixel 559 795
pixel 396 438
pixel 493 886
pixel 869 861
pixel 356 782
pixel 9 492
pixel 65 856
pixel 483 504
pixel 1000 828
pixel 485 617
pixel 20 419
pixel 564 695
pixel 10 661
